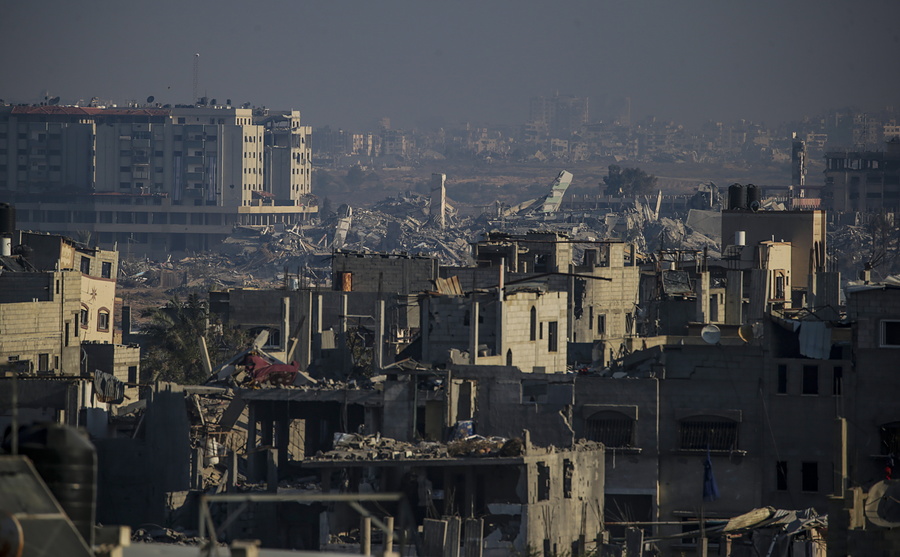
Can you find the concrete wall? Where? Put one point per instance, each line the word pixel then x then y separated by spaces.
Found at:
pixel 45 324
pixel 401 274
pixel 871 389
pixel 803 229
pixel 504 329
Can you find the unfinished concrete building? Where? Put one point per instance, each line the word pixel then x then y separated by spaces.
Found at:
pixel 537 499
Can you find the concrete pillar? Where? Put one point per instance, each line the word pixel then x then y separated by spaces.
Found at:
pixel 734 296
pixel 424 310
pixel 841 469
pixel 285 323
pixel 473 331
pixel 365 536
pixel 305 333
pixel 703 297
pixel 251 443
pixel 378 360
pixel 388 543
pixel 500 347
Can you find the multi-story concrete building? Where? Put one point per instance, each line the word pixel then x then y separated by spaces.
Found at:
pixel 863 180
pixel 155 179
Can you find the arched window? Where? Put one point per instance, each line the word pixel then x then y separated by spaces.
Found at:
pixel 533 324
pixel 103 319
pixel 84 316
pixel 613 429
pixel 509 357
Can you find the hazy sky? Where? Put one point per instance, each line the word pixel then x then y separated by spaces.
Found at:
pixel 347 63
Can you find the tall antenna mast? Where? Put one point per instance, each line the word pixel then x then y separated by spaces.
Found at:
pixel 196 76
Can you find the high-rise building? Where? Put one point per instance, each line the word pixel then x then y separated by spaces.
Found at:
pixel 559 116
pixel 156 179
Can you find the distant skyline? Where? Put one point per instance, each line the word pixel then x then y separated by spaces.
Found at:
pixel 349 63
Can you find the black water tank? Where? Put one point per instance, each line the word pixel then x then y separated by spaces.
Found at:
pixel 67 462
pixel 7 219
pixel 737 197
pixel 754 197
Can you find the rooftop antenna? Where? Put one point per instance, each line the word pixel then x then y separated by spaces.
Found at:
pixel 196 75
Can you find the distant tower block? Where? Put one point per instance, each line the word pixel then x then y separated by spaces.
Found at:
pixel 438 204
pixel 798 161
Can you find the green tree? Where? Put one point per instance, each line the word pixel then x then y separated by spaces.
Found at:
pixel 355 176
pixel 173 351
pixel 628 181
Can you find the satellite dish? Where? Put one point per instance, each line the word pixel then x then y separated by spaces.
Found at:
pixel 711 334
pixel 150 99
pixel 54 101
pixel 746 332
pixel 883 504
pixel 754 205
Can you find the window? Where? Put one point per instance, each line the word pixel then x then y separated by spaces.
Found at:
pixel 781 475
pixel 533 325
pixel 43 362
pixel 132 374
pixel 837 380
pixel 708 433
pixel 590 318
pixel 85 265
pixel 106 271
pixel 103 320
pixel 83 318
pixel 782 379
pixel 810 380
pixel 552 340
pixel 568 475
pixel 601 324
pixel 543 483
pixel 890 334
pixel 809 476
pixel 613 429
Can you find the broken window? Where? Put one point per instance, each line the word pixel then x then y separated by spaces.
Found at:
pixel 568 475
pixel 781 475
pixel 543 482
pixel 708 433
pixel 601 324
pixel 809 476
pixel 810 380
pixel 890 334
pixel 837 380
pixel 782 379
pixel 84 317
pixel 613 429
pixel 132 374
pixel 85 265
